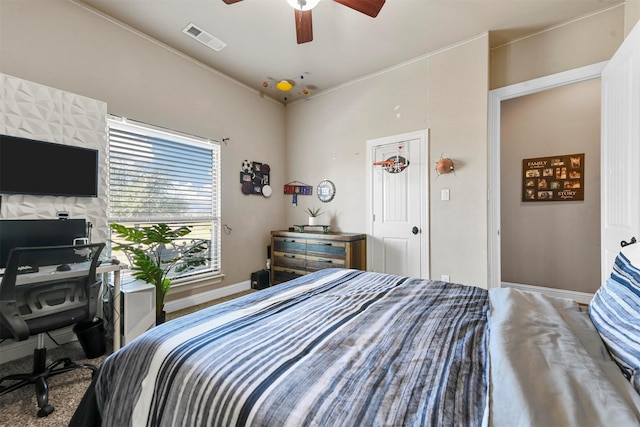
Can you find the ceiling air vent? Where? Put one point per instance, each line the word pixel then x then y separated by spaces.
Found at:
pixel 203 37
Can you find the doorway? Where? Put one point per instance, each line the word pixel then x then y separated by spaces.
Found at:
pixel 495 100
pixel 397 204
pixel 551 242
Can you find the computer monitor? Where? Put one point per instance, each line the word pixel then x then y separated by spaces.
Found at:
pixel 39 232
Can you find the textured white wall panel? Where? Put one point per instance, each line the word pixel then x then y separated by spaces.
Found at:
pixel 34 111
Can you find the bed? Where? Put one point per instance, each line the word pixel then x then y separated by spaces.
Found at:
pixel 346 347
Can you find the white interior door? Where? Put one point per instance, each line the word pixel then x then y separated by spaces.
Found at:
pixel 398 205
pixel 620 149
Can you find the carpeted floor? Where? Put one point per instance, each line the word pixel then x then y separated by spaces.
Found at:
pixel 18 408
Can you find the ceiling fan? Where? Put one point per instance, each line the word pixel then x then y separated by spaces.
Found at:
pixel 302 9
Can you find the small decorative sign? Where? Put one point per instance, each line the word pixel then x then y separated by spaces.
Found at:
pixel 553 179
pixel 296 187
pixel 326 191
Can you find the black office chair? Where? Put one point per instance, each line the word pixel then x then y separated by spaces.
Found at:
pixel 52 298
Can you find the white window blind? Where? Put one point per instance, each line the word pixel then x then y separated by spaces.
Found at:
pixel 157 175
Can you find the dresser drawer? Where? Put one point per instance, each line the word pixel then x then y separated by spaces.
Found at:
pixel 290 260
pixel 315 263
pixel 281 274
pixel 290 245
pixel 326 249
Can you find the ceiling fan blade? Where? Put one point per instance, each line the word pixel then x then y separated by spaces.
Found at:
pixel 368 7
pixel 304 27
pixel 231 1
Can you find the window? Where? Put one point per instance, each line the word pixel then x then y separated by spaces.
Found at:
pixel 157 175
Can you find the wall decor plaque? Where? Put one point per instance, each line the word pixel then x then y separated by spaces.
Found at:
pixel 326 191
pixel 553 179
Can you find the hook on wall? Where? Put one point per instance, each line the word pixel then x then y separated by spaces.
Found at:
pixel 227 229
pixel 225 140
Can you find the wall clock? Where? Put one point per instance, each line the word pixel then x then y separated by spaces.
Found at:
pixel 326 191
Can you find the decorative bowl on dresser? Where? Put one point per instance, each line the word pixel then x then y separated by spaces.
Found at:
pixel 296 254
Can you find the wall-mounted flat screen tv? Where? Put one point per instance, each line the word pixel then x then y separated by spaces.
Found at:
pixel 44 168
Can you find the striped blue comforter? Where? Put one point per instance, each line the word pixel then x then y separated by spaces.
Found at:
pixel 334 348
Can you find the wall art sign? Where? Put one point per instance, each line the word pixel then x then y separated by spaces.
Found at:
pixel 295 188
pixel 553 179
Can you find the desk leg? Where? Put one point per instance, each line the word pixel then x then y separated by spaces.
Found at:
pixel 116 310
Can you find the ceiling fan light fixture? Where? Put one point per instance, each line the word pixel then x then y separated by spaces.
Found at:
pixel 303 5
pixel 284 85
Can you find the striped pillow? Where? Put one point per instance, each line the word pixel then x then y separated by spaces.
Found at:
pixel 615 311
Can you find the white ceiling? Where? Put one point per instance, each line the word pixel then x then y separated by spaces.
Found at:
pixel 261 40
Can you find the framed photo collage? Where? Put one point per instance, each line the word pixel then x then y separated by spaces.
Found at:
pixel 553 179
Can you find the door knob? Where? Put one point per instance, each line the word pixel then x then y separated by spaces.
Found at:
pixel 415 230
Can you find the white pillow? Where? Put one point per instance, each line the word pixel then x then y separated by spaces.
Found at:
pixel 632 252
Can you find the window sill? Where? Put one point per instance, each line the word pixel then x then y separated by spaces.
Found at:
pixel 199 281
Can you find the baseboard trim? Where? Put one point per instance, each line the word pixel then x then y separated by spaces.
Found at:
pixel 203 297
pixel 580 297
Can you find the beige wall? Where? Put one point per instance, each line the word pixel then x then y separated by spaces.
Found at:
pixel 445 92
pixel 631 15
pixel 551 244
pixel 63 46
pixel 585 41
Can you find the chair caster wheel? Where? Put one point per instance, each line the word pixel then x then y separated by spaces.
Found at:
pixel 45 411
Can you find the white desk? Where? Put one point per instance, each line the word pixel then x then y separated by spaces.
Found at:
pixel 50 273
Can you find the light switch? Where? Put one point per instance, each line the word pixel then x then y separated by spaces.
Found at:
pixel 444 194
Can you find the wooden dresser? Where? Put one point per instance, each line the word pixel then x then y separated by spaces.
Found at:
pixel 296 254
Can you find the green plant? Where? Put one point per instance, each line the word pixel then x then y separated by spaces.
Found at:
pixel 314 212
pixel 154 252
